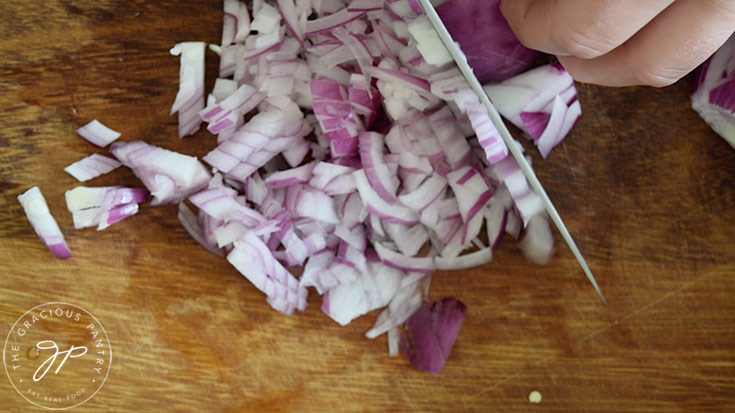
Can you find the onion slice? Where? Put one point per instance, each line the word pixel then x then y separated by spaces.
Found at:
pixel 37 211
pixel 190 98
pixel 91 166
pixel 98 134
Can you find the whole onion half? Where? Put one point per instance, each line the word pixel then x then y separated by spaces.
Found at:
pixel 493 51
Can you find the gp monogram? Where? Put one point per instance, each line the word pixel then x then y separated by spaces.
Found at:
pixel 57 356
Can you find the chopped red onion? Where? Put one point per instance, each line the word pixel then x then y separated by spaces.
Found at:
pixel 542 102
pixel 426 194
pixel 403 262
pixel 374 289
pixel 428 42
pixel 496 218
pixel 510 174
pixel 471 260
pixel 472 195
pixel 266 19
pixel 292 17
pixel 37 211
pixel 713 92
pixel 342 148
pixel 91 166
pixel 406 301
pixel 190 222
pixel 377 172
pixel 98 134
pixel 394 337
pixel 538 243
pixel 235 23
pixel 103 206
pixel 190 98
pixel 376 205
pixel 431 332
pixel 268 275
pixel 299 175
pixel 168 175
pixel 513 225
pixel 332 21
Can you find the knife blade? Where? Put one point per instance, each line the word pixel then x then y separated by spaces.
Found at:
pixel 461 61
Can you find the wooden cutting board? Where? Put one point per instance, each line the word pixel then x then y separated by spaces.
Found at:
pixel 643 184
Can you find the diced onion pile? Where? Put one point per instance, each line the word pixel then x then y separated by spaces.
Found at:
pixel 349 145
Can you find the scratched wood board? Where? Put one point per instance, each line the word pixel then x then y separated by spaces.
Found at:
pixel 643 184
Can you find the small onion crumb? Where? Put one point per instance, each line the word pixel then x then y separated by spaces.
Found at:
pixel 534 397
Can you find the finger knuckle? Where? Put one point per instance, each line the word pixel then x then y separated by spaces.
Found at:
pixel 583 44
pixel 522 34
pixel 658 76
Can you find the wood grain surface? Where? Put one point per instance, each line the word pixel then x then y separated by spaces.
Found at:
pixel 643 184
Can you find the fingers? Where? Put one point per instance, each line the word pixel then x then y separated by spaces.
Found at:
pixel 666 49
pixel 581 28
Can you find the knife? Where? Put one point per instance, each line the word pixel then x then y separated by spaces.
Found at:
pixel 461 60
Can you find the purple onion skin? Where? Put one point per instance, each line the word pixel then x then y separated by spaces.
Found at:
pixel 492 50
pixel 430 333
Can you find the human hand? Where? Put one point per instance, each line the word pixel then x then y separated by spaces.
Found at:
pixel 624 42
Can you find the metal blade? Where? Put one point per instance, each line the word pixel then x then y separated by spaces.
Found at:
pixel 461 60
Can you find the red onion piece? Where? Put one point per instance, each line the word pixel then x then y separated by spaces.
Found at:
pixel 472 195
pixel 291 17
pixel 538 243
pixel 513 225
pixel 377 172
pixel 375 288
pixel 431 332
pixel 471 260
pixel 288 177
pixel 375 204
pixel 496 218
pixel 190 98
pixel 266 19
pixel 407 300
pixel 403 262
pixel 235 23
pixel 168 175
pixel 428 42
pixel 542 102
pixel 103 206
pixel 332 21
pixel 394 337
pixel 712 96
pixel 451 86
pixel 98 134
pixel 91 167
pixel 190 222
pixel 37 211
pixel 457 151
pixel 256 262
pixel 510 174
